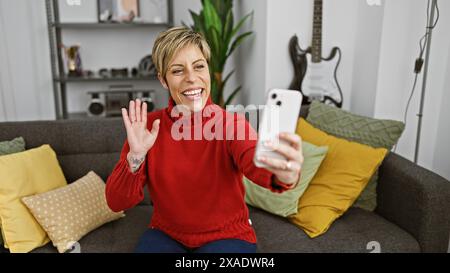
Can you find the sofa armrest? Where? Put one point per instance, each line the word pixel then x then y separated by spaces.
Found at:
pixel 416 200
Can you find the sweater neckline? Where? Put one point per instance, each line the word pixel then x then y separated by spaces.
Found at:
pixel 204 115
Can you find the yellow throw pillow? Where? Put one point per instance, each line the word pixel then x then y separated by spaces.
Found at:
pixel 69 213
pixel 342 176
pixel 21 174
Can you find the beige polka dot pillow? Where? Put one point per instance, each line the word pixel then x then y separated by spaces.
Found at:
pixel 70 212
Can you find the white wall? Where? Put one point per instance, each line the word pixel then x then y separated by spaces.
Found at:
pixel 367 43
pixel 252 55
pixel 181 10
pixel 403 25
pixel 25 76
pixel 7 112
pixel 339 22
pixel 441 160
pixel 279 68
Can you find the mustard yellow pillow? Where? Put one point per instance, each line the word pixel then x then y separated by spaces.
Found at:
pixel 341 177
pixel 68 213
pixel 21 174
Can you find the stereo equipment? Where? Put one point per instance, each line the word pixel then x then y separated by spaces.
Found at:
pixel 109 103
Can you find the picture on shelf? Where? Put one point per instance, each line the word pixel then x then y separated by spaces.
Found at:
pixel 155 10
pixel 119 11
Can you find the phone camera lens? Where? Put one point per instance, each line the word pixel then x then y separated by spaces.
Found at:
pixel 279 103
pixel 274 96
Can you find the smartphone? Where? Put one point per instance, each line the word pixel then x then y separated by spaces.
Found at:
pixel 280 114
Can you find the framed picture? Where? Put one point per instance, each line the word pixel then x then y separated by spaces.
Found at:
pixel 155 11
pixel 117 10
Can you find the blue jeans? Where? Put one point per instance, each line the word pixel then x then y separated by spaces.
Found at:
pixel 156 241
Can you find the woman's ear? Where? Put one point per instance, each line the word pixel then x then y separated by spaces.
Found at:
pixel 162 81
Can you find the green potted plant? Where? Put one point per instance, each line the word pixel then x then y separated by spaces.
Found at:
pixel 216 22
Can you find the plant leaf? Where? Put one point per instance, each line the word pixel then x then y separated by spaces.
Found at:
pixel 240 23
pixel 215 39
pixel 214 91
pixel 211 17
pixel 222 7
pixel 232 95
pixel 238 41
pixel 228 28
pixel 198 22
pixel 227 77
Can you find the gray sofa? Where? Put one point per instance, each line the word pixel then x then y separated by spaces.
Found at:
pixel 413 213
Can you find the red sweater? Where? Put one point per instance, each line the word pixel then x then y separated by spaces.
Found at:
pixel 196 185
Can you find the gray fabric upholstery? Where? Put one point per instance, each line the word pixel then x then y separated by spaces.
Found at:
pixel 66 135
pixel 350 233
pixel 87 143
pixel 118 236
pixel 81 145
pixel 417 200
pixel 413 213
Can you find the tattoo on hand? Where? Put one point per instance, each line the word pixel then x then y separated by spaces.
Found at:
pixel 135 162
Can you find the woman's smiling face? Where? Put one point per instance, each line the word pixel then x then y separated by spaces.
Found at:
pixel 188 79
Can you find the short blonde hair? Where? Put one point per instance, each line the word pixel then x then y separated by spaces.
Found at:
pixel 169 42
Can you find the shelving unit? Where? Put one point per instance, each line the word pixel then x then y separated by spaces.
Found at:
pixel 108 25
pixel 60 81
pixel 65 79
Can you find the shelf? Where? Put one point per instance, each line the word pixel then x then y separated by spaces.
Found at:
pixel 84 115
pixel 56 31
pixel 79 115
pixel 108 25
pixel 99 79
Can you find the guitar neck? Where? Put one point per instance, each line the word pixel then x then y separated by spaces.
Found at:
pixel 316 50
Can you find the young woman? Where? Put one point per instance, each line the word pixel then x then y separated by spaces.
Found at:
pixel 193 174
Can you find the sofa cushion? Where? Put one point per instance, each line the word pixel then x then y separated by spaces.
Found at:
pixel 377 133
pixel 9 147
pixel 350 233
pixel 286 203
pixel 101 163
pixel 69 213
pixel 81 145
pixel 12 146
pixel 340 179
pixel 118 236
pixel 22 174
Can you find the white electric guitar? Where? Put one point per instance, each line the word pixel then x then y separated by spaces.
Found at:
pixel 320 81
